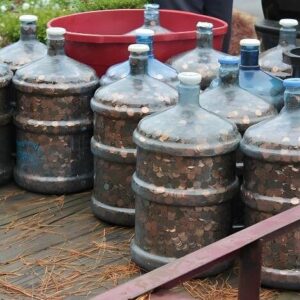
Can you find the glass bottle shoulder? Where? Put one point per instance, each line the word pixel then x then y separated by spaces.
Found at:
pixel 156 69
pixel 195 56
pixel 264 85
pixel 184 124
pixel 21 53
pixel 274 138
pixel 136 91
pixel 156 28
pixel 272 61
pixel 162 72
pixel 59 69
pixel 237 105
pixel 115 72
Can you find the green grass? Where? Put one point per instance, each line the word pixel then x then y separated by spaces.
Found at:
pixel 106 4
pixel 47 10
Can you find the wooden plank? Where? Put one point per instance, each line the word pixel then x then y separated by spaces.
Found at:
pixel 34 275
pixel 73 255
pixel 43 237
pixel 44 214
pixel 27 204
pixel 9 189
pixel 86 260
pixel 18 234
pixel 36 241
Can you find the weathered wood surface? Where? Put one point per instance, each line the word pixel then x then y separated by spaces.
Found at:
pixel 52 247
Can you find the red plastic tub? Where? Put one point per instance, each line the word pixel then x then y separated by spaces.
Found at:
pixel 96 38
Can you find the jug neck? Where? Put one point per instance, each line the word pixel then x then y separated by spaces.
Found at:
pixel 229 74
pixel 28 31
pixel 249 57
pixel 287 36
pixel 146 40
pixel 189 95
pixel 204 38
pixel 151 15
pixel 138 63
pixel 56 47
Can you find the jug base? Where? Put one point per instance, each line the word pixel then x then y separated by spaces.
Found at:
pixel 53 185
pixel 281 279
pixel 114 215
pixel 148 261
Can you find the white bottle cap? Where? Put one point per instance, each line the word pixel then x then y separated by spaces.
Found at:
pixel 144 32
pixel 151 6
pixel 288 22
pixel 250 42
pixel 189 78
pixel 204 25
pixel 28 18
pixel 56 33
pixel 138 48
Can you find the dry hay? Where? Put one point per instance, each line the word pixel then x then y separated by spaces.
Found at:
pixel 144 297
pixel 97 260
pixel 218 288
pixel 81 269
pixel 83 266
pixel 71 271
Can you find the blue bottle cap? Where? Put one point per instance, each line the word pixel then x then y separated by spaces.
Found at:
pixel 229 60
pixel 292 83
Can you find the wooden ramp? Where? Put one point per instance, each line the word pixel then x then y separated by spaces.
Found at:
pixel 52 247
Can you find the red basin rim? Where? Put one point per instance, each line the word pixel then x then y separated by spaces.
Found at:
pixel 120 39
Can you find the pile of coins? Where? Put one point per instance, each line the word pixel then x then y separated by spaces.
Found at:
pixel 118 108
pixel 203 59
pixel 185 179
pixel 272 61
pixel 271 185
pixel 6 139
pixel 172 169
pixel 54 122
